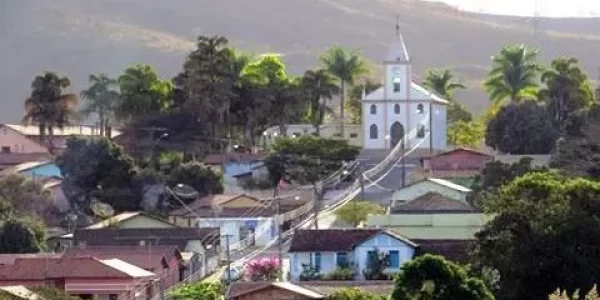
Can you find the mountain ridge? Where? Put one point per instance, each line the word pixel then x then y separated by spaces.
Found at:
pixel 76 38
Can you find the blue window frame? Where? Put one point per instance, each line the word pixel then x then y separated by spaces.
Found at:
pixel 394 259
pixel 342 259
pixel 317 262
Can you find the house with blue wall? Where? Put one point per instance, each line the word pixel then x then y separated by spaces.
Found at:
pixel 325 250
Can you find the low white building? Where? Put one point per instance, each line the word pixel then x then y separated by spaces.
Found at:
pixel 328 249
pixel 428 185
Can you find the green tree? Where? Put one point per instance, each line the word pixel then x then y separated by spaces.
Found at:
pixel 524 128
pixel 198 291
pixel 353 294
pixel 197 176
pixel 442 83
pixel 207 83
pixel 354 104
pixel 346 66
pixel 48 107
pixel 433 277
pixel 356 212
pixel 494 175
pixel 318 87
pixel 563 295
pixel 101 99
pixel 567 90
pixel 465 133
pixel 20 196
pixel 543 236
pixel 97 170
pixel 458 112
pixel 513 75
pixel 143 93
pixel 25 235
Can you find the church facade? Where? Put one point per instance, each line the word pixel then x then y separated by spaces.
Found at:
pixel 402 111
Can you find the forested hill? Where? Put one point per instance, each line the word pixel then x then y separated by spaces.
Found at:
pixel 76 38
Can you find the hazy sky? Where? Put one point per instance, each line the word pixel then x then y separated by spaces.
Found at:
pixel 550 8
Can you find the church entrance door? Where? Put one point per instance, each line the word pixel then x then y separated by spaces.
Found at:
pixel 396 133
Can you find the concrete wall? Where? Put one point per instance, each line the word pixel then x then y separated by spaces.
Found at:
pixel 19 143
pixel 384 244
pixel 297 259
pixel 265 230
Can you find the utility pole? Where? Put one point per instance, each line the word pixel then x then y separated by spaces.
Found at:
pixel 316 206
pixel 362 182
pixel 279 225
pixel 404 162
pixel 228 253
pixel 430 132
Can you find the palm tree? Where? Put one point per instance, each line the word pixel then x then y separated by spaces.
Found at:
pixel 346 67
pixel 513 75
pixel 47 106
pixel 442 83
pixel 318 87
pixel 101 99
pixel 143 93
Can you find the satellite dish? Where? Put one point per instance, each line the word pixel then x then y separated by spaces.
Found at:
pixel 185 191
pixel 102 210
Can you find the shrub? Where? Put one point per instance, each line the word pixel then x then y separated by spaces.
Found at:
pixel 340 274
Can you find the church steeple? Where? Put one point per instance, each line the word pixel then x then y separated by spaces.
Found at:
pixel 398 52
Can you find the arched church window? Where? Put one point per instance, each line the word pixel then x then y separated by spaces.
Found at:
pixel 420 109
pixel 373 109
pixel 421 131
pixel 373 132
pixel 397 109
pixel 396 82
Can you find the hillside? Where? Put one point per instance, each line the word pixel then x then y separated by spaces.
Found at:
pixel 77 37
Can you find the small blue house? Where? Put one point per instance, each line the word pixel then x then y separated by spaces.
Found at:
pixel 328 249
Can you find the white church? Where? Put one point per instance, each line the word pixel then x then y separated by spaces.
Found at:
pixel 401 110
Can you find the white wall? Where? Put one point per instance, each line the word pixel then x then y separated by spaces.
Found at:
pixel 231 227
pixel 384 243
pixel 297 259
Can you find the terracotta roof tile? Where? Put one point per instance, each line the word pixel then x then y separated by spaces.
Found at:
pixel 152 258
pixel 454 250
pixel 327 288
pixel 335 239
pixel 432 202
pixel 244 288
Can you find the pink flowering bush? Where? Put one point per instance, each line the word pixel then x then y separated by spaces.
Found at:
pixel 263 268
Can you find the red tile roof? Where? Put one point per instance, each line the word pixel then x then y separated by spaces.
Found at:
pixel 325 240
pixel 244 288
pixel 454 250
pixel 151 258
pixel 65 267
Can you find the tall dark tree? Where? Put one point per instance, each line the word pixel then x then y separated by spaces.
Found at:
pixel 97 170
pixel 318 87
pixel 524 128
pixel 22 236
pixel 48 107
pixel 567 90
pixel 202 179
pixel 143 93
pixel 207 83
pixel 101 99
pixel 513 75
pixel 346 66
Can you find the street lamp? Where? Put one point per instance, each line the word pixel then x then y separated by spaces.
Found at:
pixel 265 134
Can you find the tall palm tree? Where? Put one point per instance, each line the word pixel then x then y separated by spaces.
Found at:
pixel 47 106
pixel 318 87
pixel 442 83
pixel 513 75
pixel 101 99
pixel 346 67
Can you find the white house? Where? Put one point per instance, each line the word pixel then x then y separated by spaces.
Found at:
pixel 327 249
pixel 402 110
pixel 429 185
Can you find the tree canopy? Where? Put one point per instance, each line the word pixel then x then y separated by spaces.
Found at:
pixel 433 277
pixel 355 212
pixel 523 128
pixel 354 294
pixel 197 176
pixel 465 133
pixel 143 93
pixel 543 237
pixel 101 99
pixel 22 236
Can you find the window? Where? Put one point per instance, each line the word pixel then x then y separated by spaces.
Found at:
pixel 353 135
pixel 317 261
pixel 420 109
pixel 373 109
pixel 394 259
pixel 396 82
pixel 371 258
pixel 421 131
pixel 373 132
pixel 397 109
pixel 142 243
pixel 5 149
pixel 342 259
